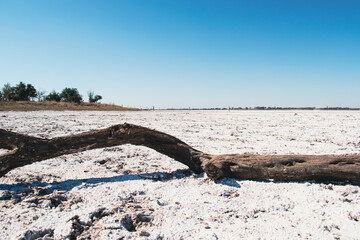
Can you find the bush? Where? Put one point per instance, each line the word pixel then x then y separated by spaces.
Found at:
pixel 27 92
pixel 31 92
pixel 8 92
pixel 92 98
pixel 97 98
pixel 21 92
pixel 53 96
pixel 71 95
pixel 24 92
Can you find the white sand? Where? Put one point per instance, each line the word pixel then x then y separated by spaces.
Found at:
pixel 137 193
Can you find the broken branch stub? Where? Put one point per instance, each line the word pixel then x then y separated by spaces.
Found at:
pixel 26 150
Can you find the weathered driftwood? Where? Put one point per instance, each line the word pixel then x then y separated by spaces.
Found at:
pixel 26 150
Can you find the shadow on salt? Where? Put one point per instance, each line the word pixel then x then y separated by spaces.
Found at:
pixel 231 182
pixel 68 185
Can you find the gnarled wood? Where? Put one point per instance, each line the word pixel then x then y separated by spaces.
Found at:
pixel 27 150
pixel 284 167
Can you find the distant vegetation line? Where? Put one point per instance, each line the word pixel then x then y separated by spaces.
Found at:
pixel 267 108
pixel 25 97
pixel 23 93
pixel 59 106
pixel 27 92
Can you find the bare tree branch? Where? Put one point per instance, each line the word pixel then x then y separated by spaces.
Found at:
pixel 27 150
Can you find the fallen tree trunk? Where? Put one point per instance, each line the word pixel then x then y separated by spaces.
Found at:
pixel 26 150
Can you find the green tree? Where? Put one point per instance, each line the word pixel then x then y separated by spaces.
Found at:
pixel 8 92
pixel 53 96
pixel 71 95
pixel 23 92
pixel 31 92
pixel 20 92
pixel 1 96
pixel 93 98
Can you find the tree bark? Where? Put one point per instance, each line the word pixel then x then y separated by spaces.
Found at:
pixel 26 150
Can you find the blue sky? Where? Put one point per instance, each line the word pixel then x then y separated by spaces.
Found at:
pixel 199 53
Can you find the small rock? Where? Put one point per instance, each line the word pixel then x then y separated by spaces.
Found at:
pixel 331 228
pixel 101 162
pixel 32 205
pixel 127 223
pixel 36 234
pixel 161 203
pixel 40 191
pixel 77 227
pixel 142 217
pixel 56 200
pixel 347 200
pixel 144 234
pixel 31 200
pixel 127 172
pixel 47 204
pixel 354 216
pixel 99 213
pixel 229 193
pixel 349 191
pixel 5 195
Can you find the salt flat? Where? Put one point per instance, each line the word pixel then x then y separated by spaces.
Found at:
pixel 131 192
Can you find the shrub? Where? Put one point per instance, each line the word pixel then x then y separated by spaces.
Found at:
pixel 53 96
pixel 92 98
pixel 20 92
pixel 8 92
pixel 71 95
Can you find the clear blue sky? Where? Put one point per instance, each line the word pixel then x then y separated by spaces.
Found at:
pixel 199 53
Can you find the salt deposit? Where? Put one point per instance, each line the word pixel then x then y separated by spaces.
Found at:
pixel 130 192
